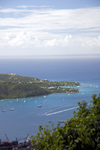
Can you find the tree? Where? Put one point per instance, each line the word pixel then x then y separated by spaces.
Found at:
pixel 82 132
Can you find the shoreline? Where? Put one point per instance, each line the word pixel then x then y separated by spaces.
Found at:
pixel 13 86
pixel 34 96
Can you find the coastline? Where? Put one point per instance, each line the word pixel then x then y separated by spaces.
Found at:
pixel 13 86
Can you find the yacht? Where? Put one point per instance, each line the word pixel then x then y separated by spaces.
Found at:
pixel 12 109
pixel 39 106
pixel 3 110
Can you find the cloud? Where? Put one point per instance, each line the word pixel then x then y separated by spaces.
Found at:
pixel 35 6
pixel 54 19
pixel 50 28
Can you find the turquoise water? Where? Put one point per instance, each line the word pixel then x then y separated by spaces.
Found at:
pixel 26 116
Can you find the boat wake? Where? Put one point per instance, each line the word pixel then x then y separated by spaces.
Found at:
pixel 57 112
pixel 55 108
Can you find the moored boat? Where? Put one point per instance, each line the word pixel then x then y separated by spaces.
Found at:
pixel 39 106
pixel 4 110
pixel 12 109
pixel 14 145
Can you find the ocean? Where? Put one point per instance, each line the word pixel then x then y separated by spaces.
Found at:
pixel 26 116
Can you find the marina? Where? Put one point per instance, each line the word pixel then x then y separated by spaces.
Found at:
pixel 16 145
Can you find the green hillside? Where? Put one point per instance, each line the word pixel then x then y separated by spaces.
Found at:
pixel 14 86
pixel 16 78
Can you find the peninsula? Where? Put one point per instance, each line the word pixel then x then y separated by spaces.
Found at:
pixel 15 86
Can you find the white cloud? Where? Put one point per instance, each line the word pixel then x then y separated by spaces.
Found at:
pixel 35 6
pixel 53 19
pixel 50 29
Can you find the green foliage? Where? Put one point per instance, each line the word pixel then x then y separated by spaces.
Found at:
pixel 16 78
pixel 14 86
pixel 36 81
pixel 82 132
pixel 19 90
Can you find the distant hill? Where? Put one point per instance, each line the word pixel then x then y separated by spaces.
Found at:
pixel 15 86
pixel 16 78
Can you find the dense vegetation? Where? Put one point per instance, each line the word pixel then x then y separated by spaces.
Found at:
pixel 19 90
pixel 14 86
pixel 36 81
pixel 17 78
pixel 82 132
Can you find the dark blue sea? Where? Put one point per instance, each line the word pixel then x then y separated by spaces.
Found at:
pixel 26 116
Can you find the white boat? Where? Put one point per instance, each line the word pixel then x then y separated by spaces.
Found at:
pixel 62 121
pixel 3 110
pixel 12 109
pixel 83 93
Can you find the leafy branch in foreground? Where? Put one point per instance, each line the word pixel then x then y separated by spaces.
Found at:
pixel 82 132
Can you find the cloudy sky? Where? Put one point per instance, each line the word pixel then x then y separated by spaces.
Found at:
pixel 49 27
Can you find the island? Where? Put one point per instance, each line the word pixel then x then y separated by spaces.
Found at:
pixel 15 86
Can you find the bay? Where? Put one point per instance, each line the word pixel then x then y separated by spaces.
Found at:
pixel 26 116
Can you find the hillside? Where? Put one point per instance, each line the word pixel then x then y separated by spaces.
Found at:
pixel 14 86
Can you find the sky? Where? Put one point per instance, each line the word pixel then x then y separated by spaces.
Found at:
pixel 49 27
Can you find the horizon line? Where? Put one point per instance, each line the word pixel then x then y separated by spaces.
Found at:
pixel 48 55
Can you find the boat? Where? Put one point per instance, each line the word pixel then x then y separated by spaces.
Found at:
pixel 12 109
pixel 39 106
pixel 4 110
pixel 15 145
pixel 83 93
pixel 8 145
pixel 49 121
pixel 62 121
